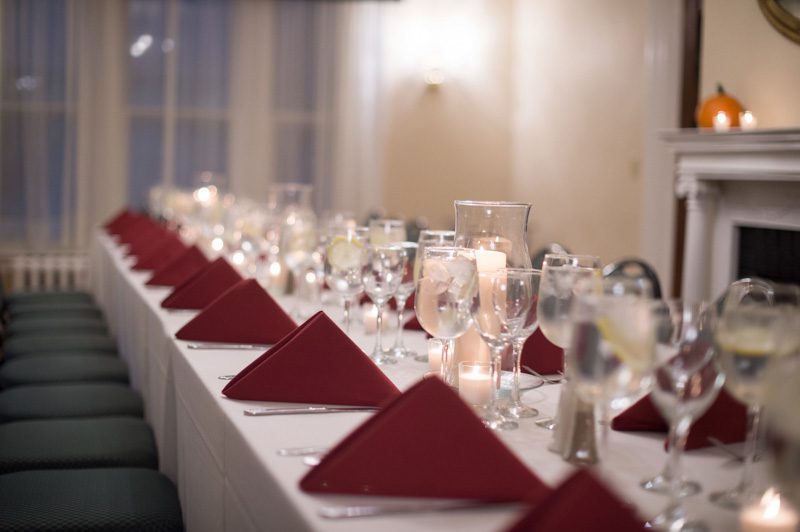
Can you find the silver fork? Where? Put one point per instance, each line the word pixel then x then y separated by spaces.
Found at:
pixel 545 379
pixel 348 512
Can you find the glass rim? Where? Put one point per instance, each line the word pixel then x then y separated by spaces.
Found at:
pixel 394 221
pixel 438 232
pixel 448 249
pixel 481 203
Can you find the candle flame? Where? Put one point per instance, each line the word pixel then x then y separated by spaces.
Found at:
pixel 771 502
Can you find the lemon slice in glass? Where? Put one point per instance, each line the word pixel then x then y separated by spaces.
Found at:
pixel 633 343
pixel 345 254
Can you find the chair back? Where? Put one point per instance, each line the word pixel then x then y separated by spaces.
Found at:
pixel 633 268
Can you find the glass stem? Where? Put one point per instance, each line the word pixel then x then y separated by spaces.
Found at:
pixel 401 308
pixel 516 358
pixel 445 365
pixel 751 444
pixel 379 323
pixel 497 360
pixel 678 433
pixel 346 306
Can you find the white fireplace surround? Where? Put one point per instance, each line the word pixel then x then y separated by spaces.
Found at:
pixel 731 180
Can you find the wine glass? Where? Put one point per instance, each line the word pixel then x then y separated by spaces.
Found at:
pixel 613 346
pixel 750 334
pixel 561 276
pixel 515 292
pixel 345 257
pixel 381 274
pixel 687 380
pixel 445 290
pixel 402 294
pixel 387 231
pixel 430 237
pixel 492 330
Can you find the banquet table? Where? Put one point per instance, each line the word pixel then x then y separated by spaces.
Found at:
pixel 225 465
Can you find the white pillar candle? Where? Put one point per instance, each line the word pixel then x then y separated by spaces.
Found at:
pixel 435 354
pixel 369 315
pixel 722 122
pixel 747 121
pixel 475 383
pixel 769 515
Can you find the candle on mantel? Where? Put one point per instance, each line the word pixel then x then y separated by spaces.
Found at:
pixel 470 346
pixel 747 121
pixel 435 346
pixel 475 383
pixel 722 122
pixel 769 515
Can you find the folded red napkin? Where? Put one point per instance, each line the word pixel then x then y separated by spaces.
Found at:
pixel 542 355
pixel 161 251
pixel 725 420
pixel 179 269
pixel 413 324
pixel 315 363
pixel 245 313
pixel 582 503
pixel 139 229
pixel 426 443
pixel 203 287
pixel 117 222
pixel 143 245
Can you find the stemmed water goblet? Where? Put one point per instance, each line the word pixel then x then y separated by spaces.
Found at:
pixel 387 231
pixel 345 257
pixel 404 291
pixel 445 290
pixel 686 382
pixel 431 237
pixel 514 294
pixel 750 334
pixel 562 276
pixel 381 274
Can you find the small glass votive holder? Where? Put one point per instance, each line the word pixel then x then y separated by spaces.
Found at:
pixel 434 356
pixel 475 383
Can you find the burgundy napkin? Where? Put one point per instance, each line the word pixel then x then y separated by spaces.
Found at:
pixel 426 443
pixel 245 314
pixel 725 420
pixel 315 363
pixel 413 324
pixel 542 355
pixel 179 269
pixel 143 245
pixel 139 229
pixel 203 287
pixel 161 252
pixel 582 503
pixel 118 222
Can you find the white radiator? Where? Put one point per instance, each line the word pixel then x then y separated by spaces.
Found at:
pixel 40 272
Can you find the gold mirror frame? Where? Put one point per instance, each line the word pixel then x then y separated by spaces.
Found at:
pixel 782 20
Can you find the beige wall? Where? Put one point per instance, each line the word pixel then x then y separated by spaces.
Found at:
pixel 548 110
pixel 752 60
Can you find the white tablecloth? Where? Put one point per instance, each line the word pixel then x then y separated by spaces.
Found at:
pixel 225 464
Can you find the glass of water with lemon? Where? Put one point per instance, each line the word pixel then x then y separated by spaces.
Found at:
pixel 345 257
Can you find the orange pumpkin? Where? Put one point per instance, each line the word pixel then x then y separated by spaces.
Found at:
pixel 721 101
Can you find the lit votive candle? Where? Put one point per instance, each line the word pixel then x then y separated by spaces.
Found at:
pixel 435 346
pixel 769 515
pixel 369 316
pixel 475 383
pixel 747 121
pixel 722 122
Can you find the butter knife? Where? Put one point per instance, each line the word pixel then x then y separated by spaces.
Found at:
pixel 277 411
pixel 210 345
pixel 348 512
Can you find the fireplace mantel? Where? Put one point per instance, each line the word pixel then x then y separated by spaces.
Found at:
pixel 730 180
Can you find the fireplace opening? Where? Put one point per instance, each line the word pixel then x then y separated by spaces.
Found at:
pixel 769 253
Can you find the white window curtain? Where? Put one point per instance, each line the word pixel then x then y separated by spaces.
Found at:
pixel 101 99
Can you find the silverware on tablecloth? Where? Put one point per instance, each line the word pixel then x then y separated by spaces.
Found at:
pixel 277 411
pixel 226 377
pixel 220 345
pixel 545 379
pixel 302 451
pixel 373 510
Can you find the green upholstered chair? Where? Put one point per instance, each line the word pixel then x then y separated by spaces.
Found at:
pixel 22 298
pixel 77 500
pixel 41 345
pixel 69 400
pixel 56 326
pixel 33 310
pixel 62 369
pixel 76 444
